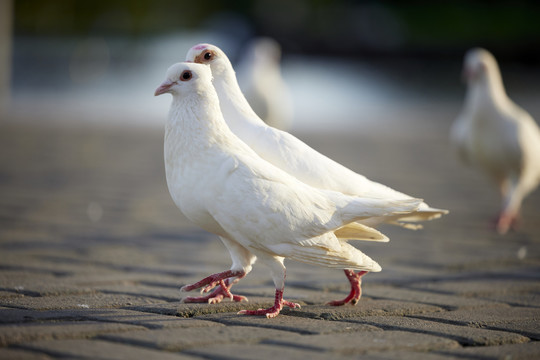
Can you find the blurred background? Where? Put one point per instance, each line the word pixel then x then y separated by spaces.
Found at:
pixel 345 63
pixel 372 84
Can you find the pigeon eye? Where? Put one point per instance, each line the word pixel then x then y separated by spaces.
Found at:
pixel 186 75
pixel 207 55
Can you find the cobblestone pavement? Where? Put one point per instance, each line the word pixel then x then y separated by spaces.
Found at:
pixel 93 252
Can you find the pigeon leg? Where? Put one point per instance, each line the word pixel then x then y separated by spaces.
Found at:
pixel 211 281
pixel 356 288
pixel 506 222
pixel 509 216
pixel 274 310
pixel 278 275
pixel 219 293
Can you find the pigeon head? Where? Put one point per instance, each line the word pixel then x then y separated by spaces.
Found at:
pixel 478 64
pixel 265 49
pixel 183 78
pixel 210 55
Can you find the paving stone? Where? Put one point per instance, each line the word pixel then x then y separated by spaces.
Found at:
pixel 260 351
pixel 10 315
pixel 20 354
pixel 289 323
pixel 37 281
pixel 128 276
pixel 148 320
pixel 10 293
pixel 484 287
pixel 517 299
pixel 465 335
pixel 99 349
pixel 189 338
pixel 530 350
pixel 19 333
pixel 520 320
pixel 153 292
pixel 86 301
pixel 365 307
pixel 412 355
pixel 371 341
pixel 448 301
pixel 33 283
pixel 197 309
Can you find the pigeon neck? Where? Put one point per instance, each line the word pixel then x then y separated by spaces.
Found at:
pixel 196 120
pixel 495 86
pixel 236 109
pixel 488 90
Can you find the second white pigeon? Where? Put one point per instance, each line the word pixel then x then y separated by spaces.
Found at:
pixel 222 185
pixel 295 157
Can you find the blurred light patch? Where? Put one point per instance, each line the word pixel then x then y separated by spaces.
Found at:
pixel 522 253
pixel 89 61
pixel 94 211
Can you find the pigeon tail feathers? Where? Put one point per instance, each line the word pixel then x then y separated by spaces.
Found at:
pixel 356 231
pixel 361 208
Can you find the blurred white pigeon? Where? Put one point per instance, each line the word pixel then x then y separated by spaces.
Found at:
pixel 497 136
pixel 295 157
pixel 259 75
pixel 222 185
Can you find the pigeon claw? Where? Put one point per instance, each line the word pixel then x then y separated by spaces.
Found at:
pixel 292 305
pixel 274 310
pixel 210 282
pixel 355 279
pixel 209 287
pixel 216 296
pixel 506 222
pixel 184 288
pixel 216 299
pixel 269 313
pixel 210 299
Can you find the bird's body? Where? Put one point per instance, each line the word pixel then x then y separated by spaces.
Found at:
pixel 299 160
pixel 222 185
pixel 495 135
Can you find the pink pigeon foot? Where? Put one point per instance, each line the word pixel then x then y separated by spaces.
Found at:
pixel 356 290
pixel 507 221
pixel 274 310
pixel 219 293
pixel 211 282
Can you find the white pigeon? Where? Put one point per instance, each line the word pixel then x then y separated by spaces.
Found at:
pixel 259 75
pixel 497 136
pixel 222 185
pixel 295 157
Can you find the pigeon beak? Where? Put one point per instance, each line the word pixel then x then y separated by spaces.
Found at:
pixel 164 87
